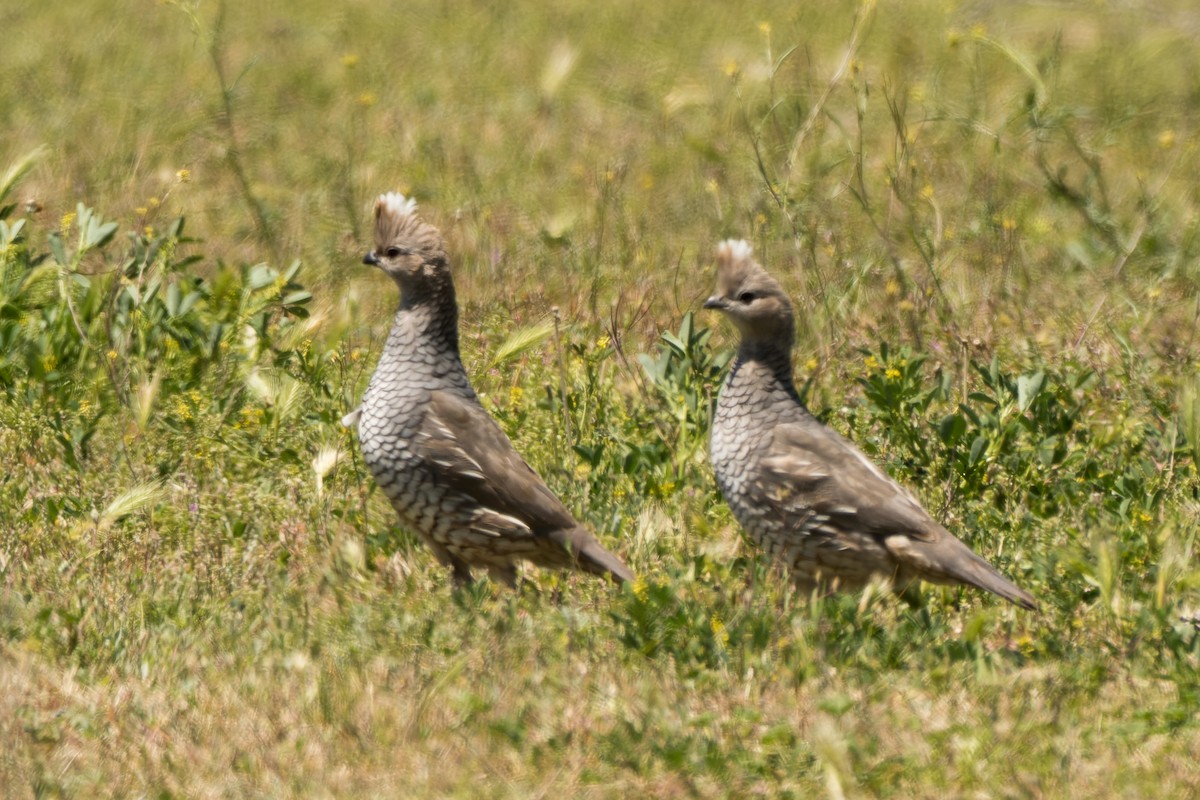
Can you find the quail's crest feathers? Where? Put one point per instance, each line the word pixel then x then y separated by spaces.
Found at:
pixel 397 224
pixel 737 271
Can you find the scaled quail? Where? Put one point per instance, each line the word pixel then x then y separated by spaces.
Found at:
pixel 804 493
pixel 449 471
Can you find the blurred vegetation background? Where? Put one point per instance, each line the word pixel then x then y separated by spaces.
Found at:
pixel 986 214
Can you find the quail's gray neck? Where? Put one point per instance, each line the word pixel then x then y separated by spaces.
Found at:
pixel 428 314
pixel 765 363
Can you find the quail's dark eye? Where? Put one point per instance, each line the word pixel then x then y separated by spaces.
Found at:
pixel 395 252
pixel 746 297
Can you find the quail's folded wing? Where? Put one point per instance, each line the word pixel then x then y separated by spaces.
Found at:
pixel 471 454
pixel 819 468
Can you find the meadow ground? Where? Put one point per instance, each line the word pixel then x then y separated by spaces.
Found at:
pixel 987 216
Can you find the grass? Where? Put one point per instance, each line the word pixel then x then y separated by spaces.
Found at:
pixel 986 216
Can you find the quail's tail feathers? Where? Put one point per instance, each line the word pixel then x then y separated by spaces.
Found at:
pixel 593 558
pixel 959 563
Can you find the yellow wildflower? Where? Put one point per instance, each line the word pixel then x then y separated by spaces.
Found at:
pixel 718 630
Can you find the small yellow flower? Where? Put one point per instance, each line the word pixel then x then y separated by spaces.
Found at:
pixel 892 288
pixel 647 182
pixel 602 342
pixel 927 191
pixel 367 99
pixel 718 630
pixel 141 211
pixel 871 363
pixel 1166 138
pixel 184 175
pixel 810 365
pixel 711 186
pixel 730 68
pixel 640 590
pixel 515 395
pixel 112 355
pixel 764 28
pixel 350 60
pixel 148 231
pixel 64 224
pixel 1009 224
pixel 892 374
pixel 154 202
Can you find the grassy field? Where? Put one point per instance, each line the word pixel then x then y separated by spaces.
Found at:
pixel 986 214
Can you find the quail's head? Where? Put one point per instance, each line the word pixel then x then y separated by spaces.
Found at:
pixel 406 247
pixel 752 299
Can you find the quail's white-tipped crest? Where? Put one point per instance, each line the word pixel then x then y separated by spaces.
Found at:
pixel 732 251
pixel 397 223
pixel 395 204
pixel 738 272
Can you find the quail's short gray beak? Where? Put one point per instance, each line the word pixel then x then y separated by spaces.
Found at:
pixel 716 301
pixel 370 258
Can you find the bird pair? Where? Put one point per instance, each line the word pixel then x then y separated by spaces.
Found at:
pixel 805 494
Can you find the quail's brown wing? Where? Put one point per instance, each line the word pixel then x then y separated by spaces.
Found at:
pixel 826 473
pixel 470 454
pixel 815 467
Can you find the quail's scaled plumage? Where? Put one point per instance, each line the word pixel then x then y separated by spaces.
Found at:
pixel 447 467
pixel 803 492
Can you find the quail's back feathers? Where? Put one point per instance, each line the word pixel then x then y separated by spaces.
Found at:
pixel 802 491
pixel 446 466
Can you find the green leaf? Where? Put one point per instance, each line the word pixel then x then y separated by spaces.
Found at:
pixel 1028 388
pixel 172 299
pixel 952 428
pixel 297 298
pixel 261 275
pixel 57 248
pixel 977 448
